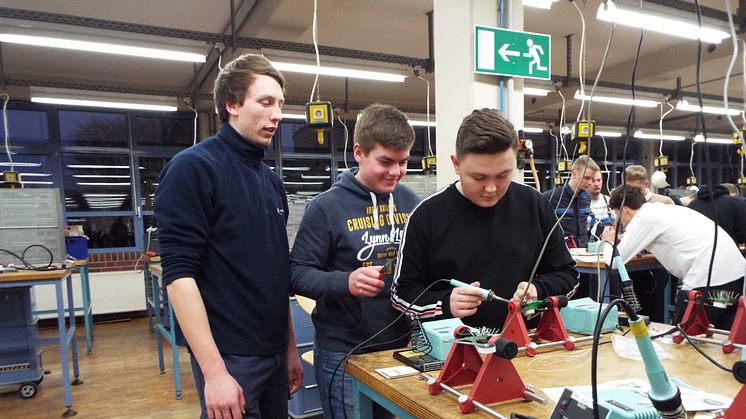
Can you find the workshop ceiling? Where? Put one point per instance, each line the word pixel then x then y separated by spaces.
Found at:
pixel 389 28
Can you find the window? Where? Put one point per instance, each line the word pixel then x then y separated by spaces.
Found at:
pixel 93 129
pixel 26 126
pixel 35 170
pixel 97 182
pixel 163 131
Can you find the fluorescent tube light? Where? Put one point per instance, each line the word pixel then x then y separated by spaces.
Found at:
pixel 94 166
pixel 36 182
pixel 293 116
pixel 533 130
pixel 416 123
pixel 539 4
pixel 659 20
pixel 20 164
pixel 338 72
pixel 699 138
pixel 534 91
pixel 642 135
pixel 565 130
pixel 103 183
pixel 684 105
pixel 644 103
pixel 107 48
pixel 113 100
pixel 103 176
pixel 609 134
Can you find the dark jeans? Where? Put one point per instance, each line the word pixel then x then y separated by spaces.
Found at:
pixel 721 318
pixel 264 380
pixel 325 362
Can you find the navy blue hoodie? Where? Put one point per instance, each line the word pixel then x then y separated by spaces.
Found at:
pixel 343 229
pixel 221 220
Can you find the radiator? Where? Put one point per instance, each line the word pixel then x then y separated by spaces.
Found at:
pixel 111 292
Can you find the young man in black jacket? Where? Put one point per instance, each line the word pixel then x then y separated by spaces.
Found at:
pixel 485 230
pixel 731 210
pixel 221 227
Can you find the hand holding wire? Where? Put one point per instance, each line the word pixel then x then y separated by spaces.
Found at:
pixel 465 301
pixel 365 281
pixel 525 292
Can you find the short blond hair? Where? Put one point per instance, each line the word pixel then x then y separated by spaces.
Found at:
pixel 635 172
pixel 583 162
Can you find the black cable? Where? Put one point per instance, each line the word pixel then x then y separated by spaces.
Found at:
pixel 594 351
pixel 27 265
pixel 695 346
pixel 360 346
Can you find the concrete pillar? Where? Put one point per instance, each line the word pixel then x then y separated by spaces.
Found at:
pixel 458 90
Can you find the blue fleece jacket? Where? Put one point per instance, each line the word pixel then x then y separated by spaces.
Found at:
pixel 343 229
pixel 221 220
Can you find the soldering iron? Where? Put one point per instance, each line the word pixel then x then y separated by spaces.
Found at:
pixel 488 295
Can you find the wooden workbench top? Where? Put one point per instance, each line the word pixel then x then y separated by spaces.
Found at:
pixel 558 368
pixel 33 275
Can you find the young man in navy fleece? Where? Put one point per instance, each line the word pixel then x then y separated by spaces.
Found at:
pixel 346 236
pixel 485 230
pixel 221 227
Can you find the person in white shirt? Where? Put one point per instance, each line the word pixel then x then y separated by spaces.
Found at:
pixel 682 240
pixel 599 201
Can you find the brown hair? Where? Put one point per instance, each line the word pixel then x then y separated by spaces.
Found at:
pixel 384 125
pixel 235 78
pixel 485 131
pixel 634 199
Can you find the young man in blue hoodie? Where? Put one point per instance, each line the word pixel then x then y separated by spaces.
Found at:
pixel 221 227
pixel 345 238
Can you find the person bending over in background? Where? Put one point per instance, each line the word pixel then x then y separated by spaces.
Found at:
pixel 681 239
pixel 483 229
pixel 731 210
pixel 221 227
pixel 346 237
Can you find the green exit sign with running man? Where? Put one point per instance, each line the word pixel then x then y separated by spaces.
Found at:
pixel 512 53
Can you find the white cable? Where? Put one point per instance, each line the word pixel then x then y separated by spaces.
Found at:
pixel 743 80
pixel 581 69
pixel 660 125
pixel 727 74
pixel 427 107
pixel 316 87
pixel 691 159
pixel 562 124
pixel 6 130
pixel 347 139
pixel 194 139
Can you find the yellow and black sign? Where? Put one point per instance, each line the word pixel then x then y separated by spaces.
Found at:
pixel 661 163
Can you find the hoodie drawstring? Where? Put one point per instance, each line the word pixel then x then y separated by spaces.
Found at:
pixel 376 225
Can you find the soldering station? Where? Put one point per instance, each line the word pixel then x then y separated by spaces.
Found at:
pixel 80 167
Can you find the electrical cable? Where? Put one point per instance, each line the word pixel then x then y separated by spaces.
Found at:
pixel 6 130
pixel 347 140
pixel 316 85
pixel 360 345
pixel 581 58
pixel 196 115
pixel 660 126
pixel 427 109
pixel 28 266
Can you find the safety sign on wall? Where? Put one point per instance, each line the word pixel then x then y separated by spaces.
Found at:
pixel 512 53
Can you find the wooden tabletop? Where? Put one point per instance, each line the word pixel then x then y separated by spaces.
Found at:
pixel 646 259
pixel 559 368
pixel 33 275
pixel 156 269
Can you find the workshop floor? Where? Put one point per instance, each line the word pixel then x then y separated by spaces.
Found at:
pixel 121 379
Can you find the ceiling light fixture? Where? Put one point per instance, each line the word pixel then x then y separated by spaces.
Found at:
pixel 684 105
pixel 643 103
pixel 72 97
pixel 533 130
pixel 293 116
pixel 642 135
pixel 338 72
pixel 107 48
pixel 539 4
pixel 699 138
pixel 659 19
pixel 609 134
pixel 416 123
pixel 535 91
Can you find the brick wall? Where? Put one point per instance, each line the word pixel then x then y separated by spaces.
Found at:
pixel 110 262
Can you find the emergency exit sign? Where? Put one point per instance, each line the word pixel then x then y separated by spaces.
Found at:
pixel 512 53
